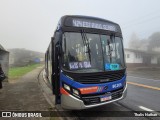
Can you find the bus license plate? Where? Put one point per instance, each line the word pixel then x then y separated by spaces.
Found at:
pixel 106 98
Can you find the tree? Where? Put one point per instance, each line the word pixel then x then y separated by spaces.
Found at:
pixel 154 41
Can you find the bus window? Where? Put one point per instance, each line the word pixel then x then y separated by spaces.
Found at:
pixel 113 51
pixel 81 54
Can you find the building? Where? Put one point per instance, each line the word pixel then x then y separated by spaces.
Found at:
pixel 23 57
pixel 138 58
pixel 4 60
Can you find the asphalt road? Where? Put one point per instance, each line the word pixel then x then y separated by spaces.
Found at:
pixel 143 95
pixel 138 95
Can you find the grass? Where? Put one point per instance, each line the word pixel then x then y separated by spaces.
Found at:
pixel 17 72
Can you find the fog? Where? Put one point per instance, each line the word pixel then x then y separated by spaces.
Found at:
pixel 152 43
pixel 30 24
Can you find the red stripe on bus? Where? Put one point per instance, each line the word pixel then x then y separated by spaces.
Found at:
pixel 63 91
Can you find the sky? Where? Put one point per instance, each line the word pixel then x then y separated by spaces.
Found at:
pixel 30 24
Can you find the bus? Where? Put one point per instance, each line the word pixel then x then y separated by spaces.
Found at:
pixel 85 63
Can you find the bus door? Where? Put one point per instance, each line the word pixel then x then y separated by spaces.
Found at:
pixel 55 68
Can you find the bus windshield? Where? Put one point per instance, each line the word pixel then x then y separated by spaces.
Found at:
pixel 86 52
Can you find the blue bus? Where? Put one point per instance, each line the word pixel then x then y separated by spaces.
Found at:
pixel 85 63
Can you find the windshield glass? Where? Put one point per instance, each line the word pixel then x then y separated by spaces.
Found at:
pixel 86 52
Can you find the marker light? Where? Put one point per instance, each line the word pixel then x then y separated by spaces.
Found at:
pixel 67 87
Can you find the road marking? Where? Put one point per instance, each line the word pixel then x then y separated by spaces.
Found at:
pixel 145 78
pixel 145 86
pixel 146 109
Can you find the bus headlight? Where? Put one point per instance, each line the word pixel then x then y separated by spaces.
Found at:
pixel 71 90
pixel 67 87
pixel 75 92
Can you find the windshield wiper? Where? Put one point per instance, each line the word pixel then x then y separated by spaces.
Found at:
pixel 86 43
pixel 110 50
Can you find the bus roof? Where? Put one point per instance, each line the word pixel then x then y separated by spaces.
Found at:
pixel 77 21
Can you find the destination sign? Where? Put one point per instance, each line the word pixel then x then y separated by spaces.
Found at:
pixel 78 65
pixel 93 24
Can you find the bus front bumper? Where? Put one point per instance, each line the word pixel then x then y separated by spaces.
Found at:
pixel 71 102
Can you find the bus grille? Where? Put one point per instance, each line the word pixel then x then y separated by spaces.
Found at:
pixel 97 78
pixel 91 99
